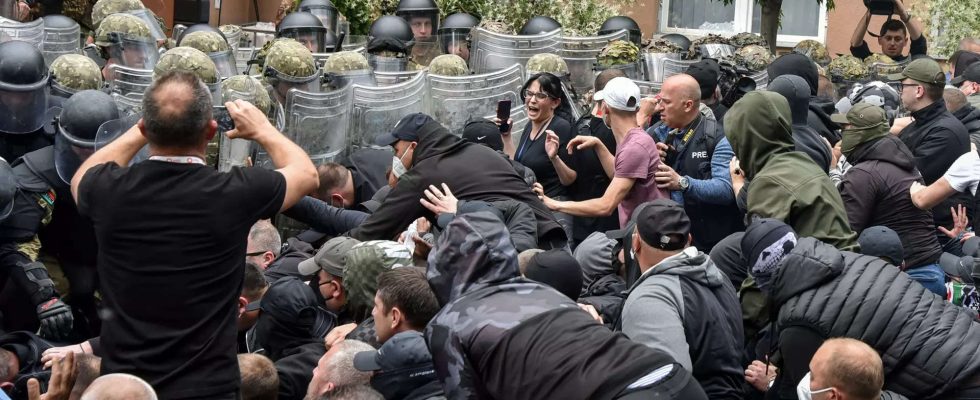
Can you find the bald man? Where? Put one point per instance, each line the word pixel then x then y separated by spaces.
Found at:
pixel 844 369
pixel 696 156
pixel 119 387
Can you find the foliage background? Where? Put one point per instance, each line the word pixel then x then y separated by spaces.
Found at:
pixel 948 21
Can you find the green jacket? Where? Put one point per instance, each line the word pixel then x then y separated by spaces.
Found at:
pixel 786 184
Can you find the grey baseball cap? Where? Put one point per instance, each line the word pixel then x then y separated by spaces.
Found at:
pixel 331 257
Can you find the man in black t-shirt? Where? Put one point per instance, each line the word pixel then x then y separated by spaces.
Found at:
pixel 172 237
pixel 892 37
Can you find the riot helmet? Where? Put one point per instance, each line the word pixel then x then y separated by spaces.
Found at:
pixel 814 50
pixel 538 25
pixel 197 28
pixel 678 40
pixel 214 46
pixel 306 28
pixel 79 122
pixel 322 9
pixel 72 73
pixel 191 60
pixel 61 36
pixel 233 33
pixel 133 51
pixel 124 24
pixel 547 62
pixel 23 88
pixel 347 67
pixel 454 34
pixel 421 15
pixel 451 65
pixel 104 8
pixel 390 40
pixel 620 22
pixel 289 65
pixel 246 87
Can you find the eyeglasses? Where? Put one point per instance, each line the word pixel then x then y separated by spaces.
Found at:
pixel 903 85
pixel 255 253
pixel 537 95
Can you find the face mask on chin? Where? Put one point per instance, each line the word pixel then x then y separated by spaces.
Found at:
pixel 803 389
pixel 397 166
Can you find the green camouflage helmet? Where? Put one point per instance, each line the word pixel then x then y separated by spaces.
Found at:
pixel 205 41
pixel 230 30
pixel 878 58
pixel 187 59
pixel 847 68
pixel 450 65
pixel 745 38
pixel 813 49
pixel 124 24
pixel 76 72
pixel 618 52
pixel 660 46
pixel 345 61
pixel 289 57
pixel 247 88
pixel 547 62
pixel 753 57
pixel 695 49
pixel 104 8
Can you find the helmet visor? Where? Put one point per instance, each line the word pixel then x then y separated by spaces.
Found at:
pixel 134 52
pixel 224 61
pixel 23 108
pixel 456 42
pixel 69 153
pixel 313 39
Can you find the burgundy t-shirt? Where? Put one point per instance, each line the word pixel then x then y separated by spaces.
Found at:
pixel 637 158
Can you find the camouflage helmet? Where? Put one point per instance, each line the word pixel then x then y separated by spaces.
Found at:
pixel 813 49
pixel 745 39
pixel 124 24
pixel 618 52
pixel 847 68
pixel 547 62
pixel 694 51
pixel 205 41
pixel 753 57
pixel 230 30
pixel 661 46
pixel 345 61
pixel 450 65
pixel 104 8
pixel 878 58
pixel 76 72
pixel 289 57
pixel 187 59
pixel 248 87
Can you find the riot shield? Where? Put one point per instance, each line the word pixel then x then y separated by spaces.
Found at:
pixel 717 50
pixel 31 32
pixel 761 79
pixel 147 17
pixel 318 122
pixel 454 100
pixel 880 71
pixel 354 43
pixel 674 67
pixel 633 71
pixel 376 110
pixel 129 82
pixel 493 51
pixel 69 153
pixel 387 64
pixel 393 78
pixel 225 63
pixel 231 152
pixel 128 104
pixel 580 55
pixel 338 80
pixel 653 65
pixel 455 42
pixel 242 56
pixel 134 52
pixel 59 41
pixel 648 89
pixel 112 130
pixel 425 50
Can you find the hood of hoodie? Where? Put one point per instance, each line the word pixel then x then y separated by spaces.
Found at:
pixel 473 252
pixel 594 255
pixel 810 264
pixel 968 114
pixel 797 93
pixel 435 140
pixel 822 109
pixel 758 127
pixel 889 149
pixel 690 263
pixel 795 64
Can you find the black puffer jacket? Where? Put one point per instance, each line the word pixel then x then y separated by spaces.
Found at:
pixel 970 117
pixel 930 348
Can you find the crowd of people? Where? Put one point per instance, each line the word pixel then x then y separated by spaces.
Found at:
pixel 800 234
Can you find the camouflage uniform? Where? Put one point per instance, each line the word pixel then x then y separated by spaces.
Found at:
pixel 753 57
pixel 847 68
pixel 124 24
pixel 618 52
pixel 81 12
pixel 104 8
pixel 815 50
pixel 880 65
pixel 239 86
pixel 289 57
pixel 745 39
pixel 76 72
pixel 547 62
pixel 660 46
pixel 187 59
pixel 878 58
pixel 365 261
pixel 449 65
pixel 695 51
pixel 205 41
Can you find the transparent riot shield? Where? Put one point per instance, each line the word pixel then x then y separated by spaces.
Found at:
pixel 147 17
pixel 455 42
pixel 393 78
pixel 225 62
pixel 633 71
pixel 242 56
pixel 129 82
pixel 318 122
pixel 128 105
pixel 880 71
pixel 326 16
pixel 338 80
pixel 376 110
pixel 388 64
pixel 454 100
pixel 493 51
pixel 653 65
pixel 31 32
pixel 761 79
pixel 112 130
pixel 134 52
pixel 717 50
pixel 354 43
pixel 580 55
pixel 425 50
pixel 8 9
pixel 648 89
pixel 60 41
pixel 674 67
pixel 231 152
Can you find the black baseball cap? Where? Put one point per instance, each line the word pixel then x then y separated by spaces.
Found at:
pixel 961 59
pixel 706 72
pixel 483 132
pixel 406 129
pixel 882 242
pixel 664 225
pixel 965 268
pixel 403 365
pixel 972 74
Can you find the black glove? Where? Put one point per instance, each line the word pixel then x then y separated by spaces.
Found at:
pixel 56 319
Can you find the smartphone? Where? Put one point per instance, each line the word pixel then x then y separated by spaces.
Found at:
pixel 221 116
pixel 503 113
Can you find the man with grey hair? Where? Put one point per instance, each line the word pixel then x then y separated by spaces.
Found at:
pixel 264 244
pixel 173 235
pixel 119 387
pixel 336 369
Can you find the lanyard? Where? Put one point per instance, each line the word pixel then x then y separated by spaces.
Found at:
pixel 524 141
pixel 179 159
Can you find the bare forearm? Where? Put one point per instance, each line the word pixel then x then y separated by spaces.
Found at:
pixel 509 148
pixel 913 24
pixel 930 196
pixel 599 207
pixel 859 30
pixel 607 159
pixel 566 175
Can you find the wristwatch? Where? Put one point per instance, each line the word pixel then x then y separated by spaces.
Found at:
pixel 684 183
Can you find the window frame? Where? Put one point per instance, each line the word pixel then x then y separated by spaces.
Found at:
pixel 743 23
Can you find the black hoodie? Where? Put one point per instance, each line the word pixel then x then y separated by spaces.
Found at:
pixel 970 117
pixel 818 117
pixel 876 192
pixel 794 88
pixel 472 171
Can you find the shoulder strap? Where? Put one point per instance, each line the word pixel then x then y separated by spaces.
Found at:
pixel 711 136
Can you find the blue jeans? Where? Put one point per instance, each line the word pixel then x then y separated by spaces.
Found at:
pixel 931 276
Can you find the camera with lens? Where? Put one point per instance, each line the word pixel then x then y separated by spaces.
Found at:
pixel 734 82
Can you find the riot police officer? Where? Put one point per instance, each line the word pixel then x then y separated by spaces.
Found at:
pixel 216 47
pixel 454 34
pixel 538 25
pixel 306 28
pixel 347 67
pixel 23 99
pixel 125 40
pixel 70 74
pixel 322 9
pixel 620 22
pixel 390 41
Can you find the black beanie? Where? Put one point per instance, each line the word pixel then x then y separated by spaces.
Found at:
pixel 558 269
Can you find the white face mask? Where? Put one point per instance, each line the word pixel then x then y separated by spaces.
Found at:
pixel 397 167
pixel 803 388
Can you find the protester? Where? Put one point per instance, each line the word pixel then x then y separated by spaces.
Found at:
pixel 707 72
pixel 884 243
pixel 336 369
pixel 403 302
pixel 796 92
pixel 264 244
pixel 556 269
pixel 844 369
pixel 402 368
pixel 259 379
pixel 327 271
pixel 892 37
pixel 818 116
pixel 119 387
pixel 958 104
pixel 969 83
pixel 20 358
pixel 344 187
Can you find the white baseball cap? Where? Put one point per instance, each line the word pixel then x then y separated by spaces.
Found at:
pixel 620 93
